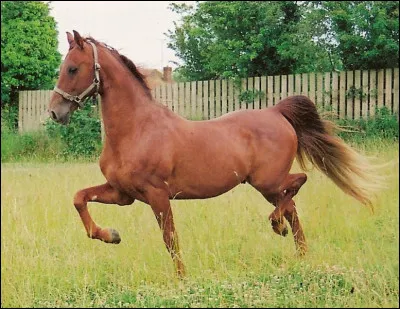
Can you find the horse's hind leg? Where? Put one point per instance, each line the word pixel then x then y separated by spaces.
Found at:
pixel 285 207
pixel 101 194
pixel 297 230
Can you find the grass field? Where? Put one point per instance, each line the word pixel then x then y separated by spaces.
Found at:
pixel 232 256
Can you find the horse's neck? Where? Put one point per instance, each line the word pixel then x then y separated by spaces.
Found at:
pixel 124 104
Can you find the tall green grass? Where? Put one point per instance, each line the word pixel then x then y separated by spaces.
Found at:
pixel 232 256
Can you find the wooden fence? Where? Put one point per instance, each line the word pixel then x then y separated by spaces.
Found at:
pixel 349 94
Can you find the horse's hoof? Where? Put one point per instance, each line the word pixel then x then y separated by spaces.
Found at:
pixel 301 250
pixel 113 237
pixel 279 228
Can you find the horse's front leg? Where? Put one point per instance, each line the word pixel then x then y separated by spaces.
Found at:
pixel 160 204
pixel 101 194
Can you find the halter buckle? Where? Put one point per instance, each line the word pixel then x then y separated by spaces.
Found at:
pixel 77 99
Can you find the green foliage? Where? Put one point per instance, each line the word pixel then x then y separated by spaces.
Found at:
pixel 225 39
pixel 29 55
pixel 365 34
pixel 35 146
pixel 383 125
pixel 249 96
pixel 229 38
pixel 82 136
pixel 81 139
pixel 9 117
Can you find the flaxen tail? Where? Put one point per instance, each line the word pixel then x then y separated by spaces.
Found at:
pixel 348 169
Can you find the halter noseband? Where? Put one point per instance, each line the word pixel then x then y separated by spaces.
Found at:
pixel 96 82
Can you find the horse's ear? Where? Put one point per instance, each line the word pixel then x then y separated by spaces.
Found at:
pixel 78 39
pixel 70 38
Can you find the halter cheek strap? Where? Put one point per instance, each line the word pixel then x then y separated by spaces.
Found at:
pixel 95 85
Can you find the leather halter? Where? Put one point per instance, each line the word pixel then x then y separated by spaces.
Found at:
pixel 95 85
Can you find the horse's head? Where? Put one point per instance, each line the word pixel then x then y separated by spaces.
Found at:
pixel 79 78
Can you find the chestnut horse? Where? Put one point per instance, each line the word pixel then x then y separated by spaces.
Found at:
pixel 153 155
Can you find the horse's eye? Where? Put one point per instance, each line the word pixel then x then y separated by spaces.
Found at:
pixel 72 70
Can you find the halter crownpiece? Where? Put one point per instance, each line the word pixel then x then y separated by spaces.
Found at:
pixel 96 82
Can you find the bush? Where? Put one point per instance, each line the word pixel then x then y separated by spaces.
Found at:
pixel 28 146
pixel 82 136
pixel 383 125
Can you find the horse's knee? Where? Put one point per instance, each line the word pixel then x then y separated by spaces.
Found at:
pixel 293 184
pixel 80 200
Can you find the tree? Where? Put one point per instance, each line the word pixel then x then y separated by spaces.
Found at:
pixel 29 55
pixel 244 38
pixel 366 32
pixel 253 38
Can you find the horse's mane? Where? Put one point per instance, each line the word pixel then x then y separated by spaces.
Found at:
pixel 127 63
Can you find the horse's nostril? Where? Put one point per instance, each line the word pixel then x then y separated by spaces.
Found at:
pixel 53 115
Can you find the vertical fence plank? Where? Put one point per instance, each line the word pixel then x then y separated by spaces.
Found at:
pixel 381 81
pixel 342 95
pixel 36 98
pixel 320 89
pixel 304 84
pixel 396 92
pixel 263 88
pixel 230 96
pixel 297 84
pixel 43 107
pixel 388 90
pixel 205 100
pixel 170 100
pixel 217 98
pixel 277 89
pixel 26 112
pixel 327 91
pixel 154 93
pixel 290 85
pixel 335 93
pixel 30 110
pixel 175 98
pixel 224 96
pixel 250 87
pixel 243 104
pixel 20 114
pixel 256 104
pixel 188 102
pixel 158 93
pixel 212 99
pixel 358 94
pixel 199 100
pixel 283 86
pixel 349 95
pixel 270 96
pixel 193 92
pixel 236 96
pixel 43 104
pixel 181 95
pixel 311 93
pixel 373 92
pixel 34 95
pixel 365 91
